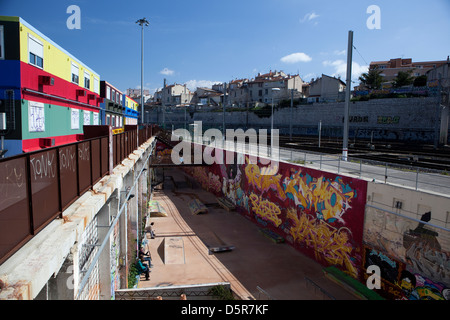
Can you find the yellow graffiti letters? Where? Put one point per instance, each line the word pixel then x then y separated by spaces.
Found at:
pixel 265 209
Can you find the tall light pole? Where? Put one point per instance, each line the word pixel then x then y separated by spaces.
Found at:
pixel 347 95
pixel 271 125
pixel 142 22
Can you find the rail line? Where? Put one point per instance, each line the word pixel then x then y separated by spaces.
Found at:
pixel 423 156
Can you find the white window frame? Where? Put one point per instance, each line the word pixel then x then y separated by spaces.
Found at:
pixel 108 93
pixel 87 76
pixel 2 44
pixel 74 119
pixel 36 116
pixel 72 69
pixel 86 118
pixel 96 85
pixel 95 118
pixel 35 47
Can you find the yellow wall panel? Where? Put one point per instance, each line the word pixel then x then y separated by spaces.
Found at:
pixel 56 61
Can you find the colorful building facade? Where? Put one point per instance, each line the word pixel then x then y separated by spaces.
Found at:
pixel 112 107
pixel 131 114
pixel 46 94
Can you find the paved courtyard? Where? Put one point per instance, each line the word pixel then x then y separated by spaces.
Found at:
pixel 257 267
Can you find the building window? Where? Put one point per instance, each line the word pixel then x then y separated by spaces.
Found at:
pixel 2 44
pixel 108 93
pixel 74 119
pixel 87 80
pixel 36 117
pixel 260 93
pixel 75 73
pixel 113 95
pixel 36 51
pixel 86 118
pixel 96 85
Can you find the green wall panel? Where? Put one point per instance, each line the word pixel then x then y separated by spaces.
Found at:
pixel 56 121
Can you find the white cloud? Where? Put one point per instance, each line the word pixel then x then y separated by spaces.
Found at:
pixel 194 84
pixel 309 16
pixel 340 68
pixel 166 72
pixel 296 57
pixel 309 76
pixel 340 52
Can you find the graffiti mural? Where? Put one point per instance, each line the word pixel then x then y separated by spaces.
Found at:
pixel 320 214
pixel 418 256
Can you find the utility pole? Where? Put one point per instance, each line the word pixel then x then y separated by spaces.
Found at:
pixel 142 22
pixel 223 109
pixel 347 95
pixel 163 104
pixel 290 118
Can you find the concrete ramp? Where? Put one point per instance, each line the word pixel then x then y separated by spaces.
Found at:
pixel 214 243
pixel 174 250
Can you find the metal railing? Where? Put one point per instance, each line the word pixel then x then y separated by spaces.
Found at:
pixel 36 187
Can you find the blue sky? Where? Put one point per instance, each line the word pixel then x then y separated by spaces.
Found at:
pixel 199 42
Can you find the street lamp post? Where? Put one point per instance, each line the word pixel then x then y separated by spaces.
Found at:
pixel 142 22
pixel 271 125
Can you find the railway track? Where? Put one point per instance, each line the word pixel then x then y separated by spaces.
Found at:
pixel 423 156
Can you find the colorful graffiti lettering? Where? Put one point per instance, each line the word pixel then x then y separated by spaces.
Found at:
pixel 328 199
pixel 265 209
pixel 263 181
pixel 164 153
pixel 329 243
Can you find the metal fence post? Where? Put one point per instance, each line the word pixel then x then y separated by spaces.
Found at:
pixel 417 178
pixel 360 168
pixel 385 173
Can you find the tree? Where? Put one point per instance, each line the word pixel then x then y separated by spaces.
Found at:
pixel 372 79
pixel 403 78
pixel 420 81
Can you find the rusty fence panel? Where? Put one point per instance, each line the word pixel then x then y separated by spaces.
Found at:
pixel 84 166
pixel 122 147
pixel 44 179
pixel 15 219
pixel 104 150
pixel 68 175
pixel 115 151
pixel 95 161
pixel 37 187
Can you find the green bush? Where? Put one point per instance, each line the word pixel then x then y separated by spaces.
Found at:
pixel 221 293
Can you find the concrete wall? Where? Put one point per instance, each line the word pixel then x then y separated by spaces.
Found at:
pixel 413 204
pixel 408 119
pixel 414 257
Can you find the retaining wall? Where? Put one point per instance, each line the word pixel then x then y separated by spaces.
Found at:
pixel 332 219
